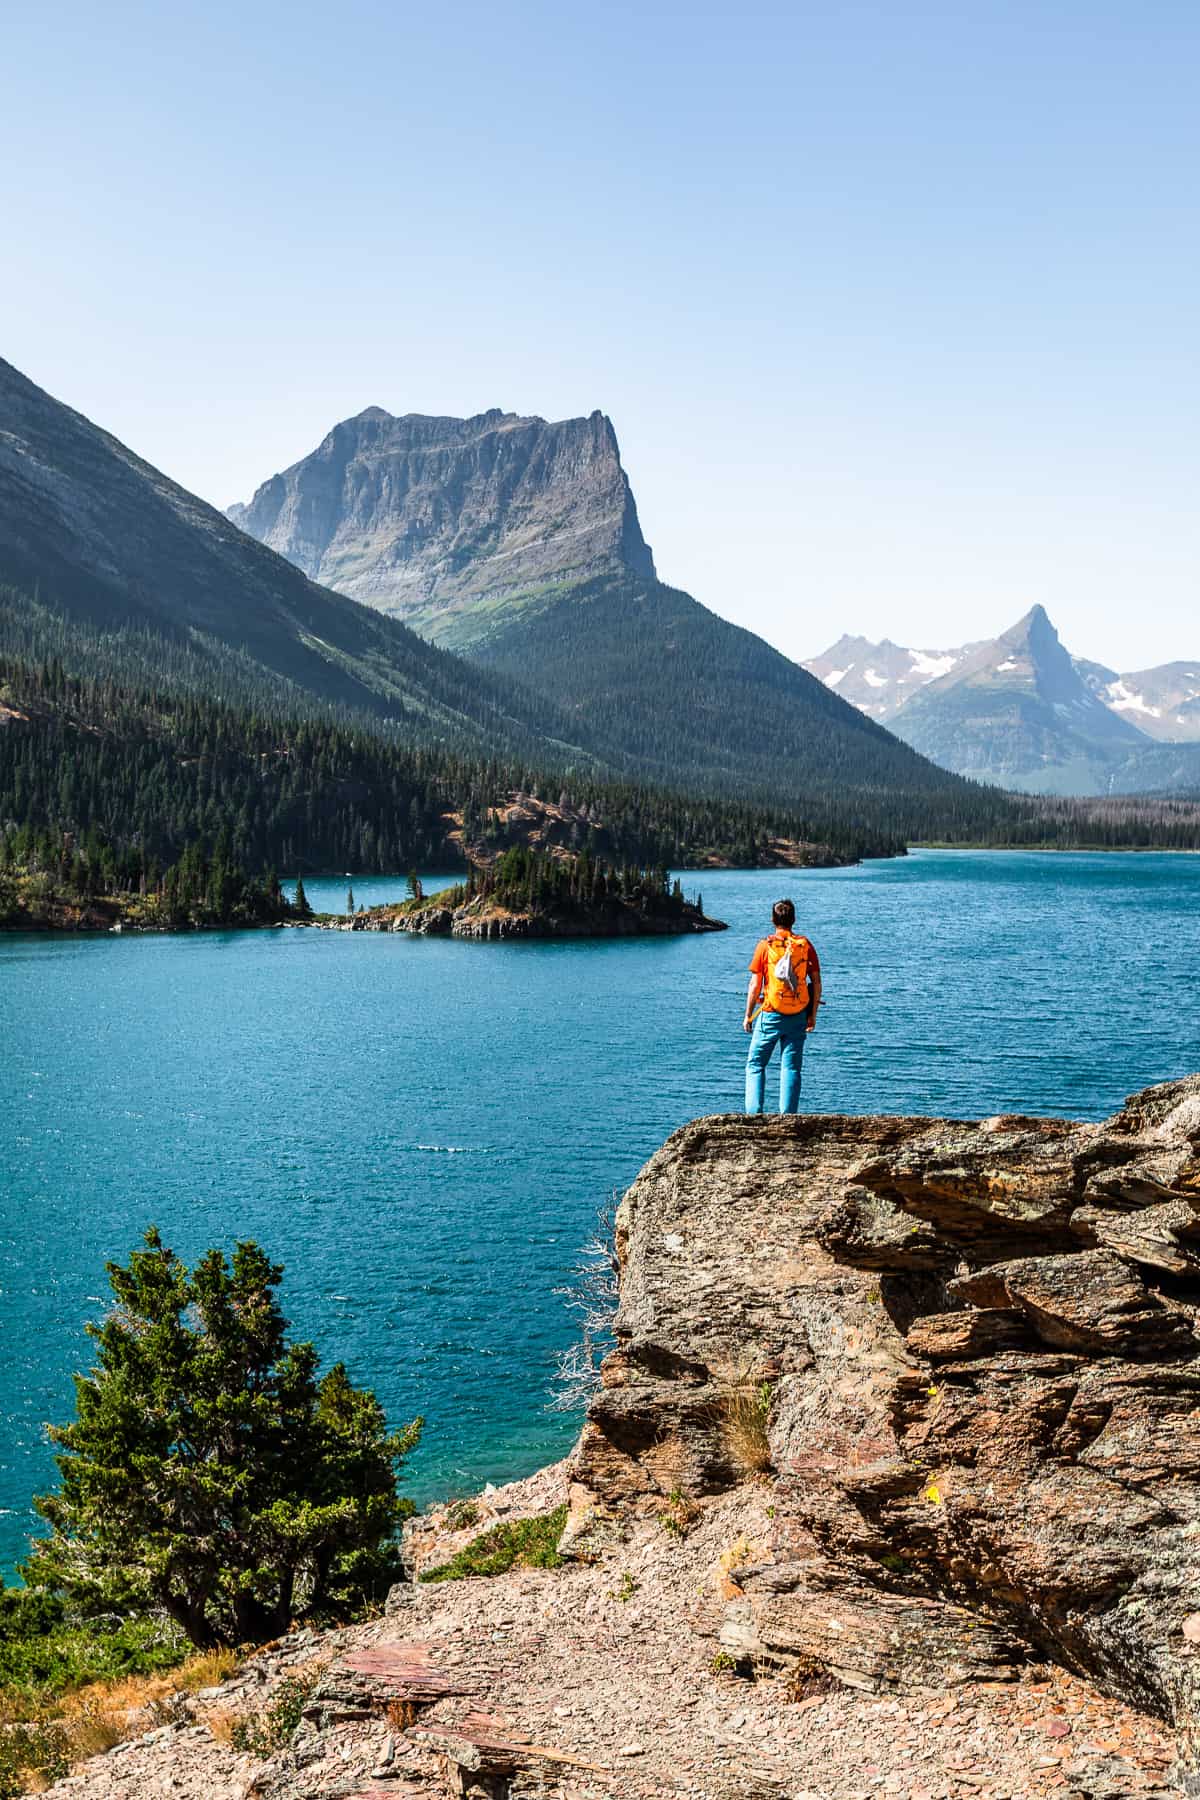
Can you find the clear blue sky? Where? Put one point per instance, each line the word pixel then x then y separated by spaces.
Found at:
pixel 894 306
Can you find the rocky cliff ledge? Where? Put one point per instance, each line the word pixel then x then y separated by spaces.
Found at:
pixel 973 1350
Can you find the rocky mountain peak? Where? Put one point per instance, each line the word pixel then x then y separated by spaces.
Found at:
pixel 1037 631
pixel 427 517
pixel 1020 710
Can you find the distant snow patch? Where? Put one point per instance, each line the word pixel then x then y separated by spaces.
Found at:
pixel 932 666
pixel 1125 700
pixel 836 675
pixel 874 680
pixel 1009 663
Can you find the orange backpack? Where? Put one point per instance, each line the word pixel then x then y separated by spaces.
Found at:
pixel 786 989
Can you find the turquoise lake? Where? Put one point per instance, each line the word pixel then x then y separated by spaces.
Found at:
pixel 422 1131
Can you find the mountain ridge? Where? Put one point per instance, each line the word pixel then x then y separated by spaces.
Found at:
pixel 112 541
pixel 517 542
pixel 1021 711
pixel 113 569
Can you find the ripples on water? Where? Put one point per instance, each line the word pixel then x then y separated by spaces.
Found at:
pixel 422 1130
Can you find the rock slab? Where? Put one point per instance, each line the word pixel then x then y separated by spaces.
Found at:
pixel 964 1360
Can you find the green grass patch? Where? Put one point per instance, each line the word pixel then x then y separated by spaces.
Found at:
pixel 521 1544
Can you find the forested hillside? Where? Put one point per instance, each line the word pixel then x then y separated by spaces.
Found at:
pixel 129 776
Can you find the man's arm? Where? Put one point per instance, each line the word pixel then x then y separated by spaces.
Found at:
pixel 814 990
pixel 752 993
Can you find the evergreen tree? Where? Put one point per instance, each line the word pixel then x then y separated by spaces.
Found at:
pixel 208 1470
pixel 301 901
pixel 349 900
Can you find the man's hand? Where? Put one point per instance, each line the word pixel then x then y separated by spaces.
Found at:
pixel 752 996
pixel 812 1025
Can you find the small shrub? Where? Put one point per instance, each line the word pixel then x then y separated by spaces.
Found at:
pixel 275 1726
pixel 517 1544
pixel 222 1722
pixel 735 1557
pixel 209 1669
pixel 806 1678
pixel 744 1415
pixel 626 1588
pixel 41 1654
pixel 94 1725
pixel 723 1664
pixel 32 1755
pixel 680 1513
pixel 461 1514
pixel 43 1733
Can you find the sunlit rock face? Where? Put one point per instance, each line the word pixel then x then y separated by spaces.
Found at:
pixel 971 1353
pixel 431 519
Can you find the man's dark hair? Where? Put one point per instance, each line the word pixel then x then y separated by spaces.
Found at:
pixel 783 914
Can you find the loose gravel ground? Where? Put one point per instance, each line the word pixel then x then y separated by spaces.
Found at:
pixel 611 1669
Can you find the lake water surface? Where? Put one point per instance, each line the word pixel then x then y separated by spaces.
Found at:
pixel 422 1130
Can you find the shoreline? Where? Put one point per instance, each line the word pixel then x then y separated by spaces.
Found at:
pixel 341 921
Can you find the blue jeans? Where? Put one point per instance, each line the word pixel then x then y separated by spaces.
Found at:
pixel 788 1030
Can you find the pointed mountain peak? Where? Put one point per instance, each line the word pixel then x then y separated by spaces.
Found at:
pixel 1039 627
pixel 1035 625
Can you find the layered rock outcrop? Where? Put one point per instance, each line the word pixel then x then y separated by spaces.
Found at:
pixel 965 1359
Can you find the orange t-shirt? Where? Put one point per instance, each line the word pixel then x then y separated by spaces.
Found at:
pixel 760 965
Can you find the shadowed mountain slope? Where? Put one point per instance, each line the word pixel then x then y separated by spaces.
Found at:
pixel 687 691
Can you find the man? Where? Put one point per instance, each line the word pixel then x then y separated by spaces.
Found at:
pixel 786 977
